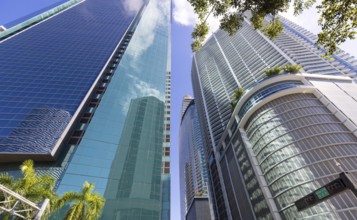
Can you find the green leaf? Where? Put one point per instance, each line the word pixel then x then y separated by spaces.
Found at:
pixel 338 22
pixel 257 20
pixel 86 204
pixel 231 22
pixel 196 46
pixel 273 71
pixel 338 18
pixel 200 7
pixel 33 187
pixel 274 29
pixel 237 95
pixel 290 68
pixel 200 31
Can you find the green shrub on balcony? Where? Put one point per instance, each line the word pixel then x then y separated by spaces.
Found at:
pixel 274 71
pixel 238 93
pixel 290 68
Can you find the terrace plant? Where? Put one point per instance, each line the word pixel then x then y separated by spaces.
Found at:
pixel 291 68
pixel 274 71
pixel 237 95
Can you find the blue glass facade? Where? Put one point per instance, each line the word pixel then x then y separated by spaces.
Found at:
pixel 193 167
pixel 265 92
pixel 122 148
pixel 52 66
pixel 41 126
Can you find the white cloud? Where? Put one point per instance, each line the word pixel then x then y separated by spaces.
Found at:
pixel 132 6
pixel 213 24
pixel 183 13
pixel 153 17
pixel 140 89
pixel 145 89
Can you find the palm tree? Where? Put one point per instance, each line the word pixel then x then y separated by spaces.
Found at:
pixel 87 205
pixel 31 186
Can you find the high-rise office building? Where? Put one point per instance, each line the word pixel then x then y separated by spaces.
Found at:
pixel 74 80
pixel 193 170
pixel 289 136
pixel 226 63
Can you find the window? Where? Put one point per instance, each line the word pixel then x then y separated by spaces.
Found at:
pixel 167 138
pixel 76 137
pixel 166 167
pixel 94 102
pixel 86 117
pixel 100 90
pixel 166 151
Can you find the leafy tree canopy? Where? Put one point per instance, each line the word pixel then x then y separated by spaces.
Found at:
pixel 338 22
pixel 338 18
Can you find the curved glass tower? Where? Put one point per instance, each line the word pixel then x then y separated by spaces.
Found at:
pixel 298 136
pixel 193 171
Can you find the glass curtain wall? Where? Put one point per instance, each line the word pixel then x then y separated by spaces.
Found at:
pixel 122 148
pixel 193 171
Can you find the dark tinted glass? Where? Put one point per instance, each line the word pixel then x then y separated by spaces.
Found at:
pixel 47 70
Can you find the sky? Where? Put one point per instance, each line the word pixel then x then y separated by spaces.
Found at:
pixel 181 86
pixel 13 12
pixel 183 20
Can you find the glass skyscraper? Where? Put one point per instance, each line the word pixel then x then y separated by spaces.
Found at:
pixel 81 88
pixel 239 179
pixel 193 169
pixel 61 59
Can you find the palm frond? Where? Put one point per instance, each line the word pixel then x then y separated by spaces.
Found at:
pixel 96 203
pixel 87 188
pixel 34 187
pixel 68 197
pixel 86 204
pixel 27 168
pixel 6 180
pixel 72 212
pixel 76 212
